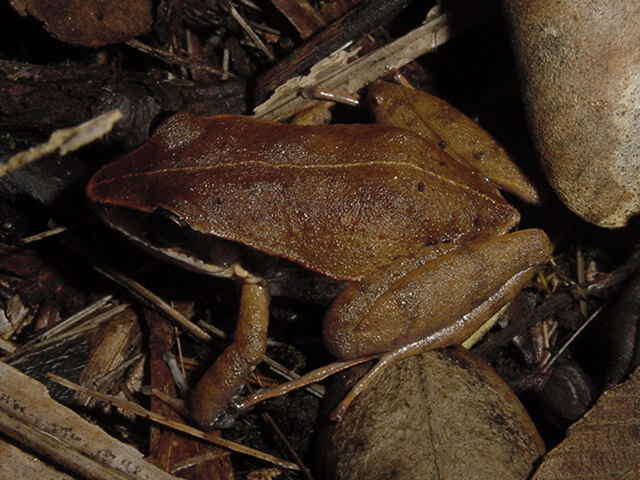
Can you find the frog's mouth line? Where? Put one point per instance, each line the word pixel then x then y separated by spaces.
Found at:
pixel 206 254
pixel 195 257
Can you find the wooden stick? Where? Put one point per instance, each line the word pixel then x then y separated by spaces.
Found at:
pixel 349 78
pixel 31 417
pixel 209 437
pixel 358 21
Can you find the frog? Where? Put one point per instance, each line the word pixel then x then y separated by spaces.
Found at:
pixel 421 241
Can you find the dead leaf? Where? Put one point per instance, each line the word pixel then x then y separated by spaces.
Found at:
pixel 605 443
pixel 440 414
pixel 578 63
pixel 90 22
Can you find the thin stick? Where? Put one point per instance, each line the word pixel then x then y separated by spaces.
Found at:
pixel 174 59
pixel 64 141
pixel 42 235
pixel 68 334
pixel 571 339
pixel 73 320
pixel 292 451
pixel 147 295
pixel 581 274
pixel 349 78
pixel 213 329
pixel 284 372
pixel 198 459
pixel 253 35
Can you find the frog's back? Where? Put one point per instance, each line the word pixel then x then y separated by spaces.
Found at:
pixel 339 199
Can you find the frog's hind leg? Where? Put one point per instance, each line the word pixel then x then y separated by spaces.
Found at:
pixel 336 367
pixel 424 309
pixel 309 378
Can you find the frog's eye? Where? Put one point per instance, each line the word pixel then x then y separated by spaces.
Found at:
pixel 165 214
pixel 166 228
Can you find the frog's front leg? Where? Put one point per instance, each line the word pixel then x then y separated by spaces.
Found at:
pixel 212 397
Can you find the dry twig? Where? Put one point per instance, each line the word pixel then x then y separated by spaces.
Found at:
pixel 335 74
pixel 64 141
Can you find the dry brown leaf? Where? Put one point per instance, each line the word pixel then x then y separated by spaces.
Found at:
pixel 579 66
pixel 90 22
pixel 440 414
pixel 605 443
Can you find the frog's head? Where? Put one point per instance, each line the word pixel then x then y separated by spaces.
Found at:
pixel 162 231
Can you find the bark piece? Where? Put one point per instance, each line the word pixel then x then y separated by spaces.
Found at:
pixel 358 21
pixel 114 344
pixel 44 98
pixel 169 449
pixel 302 15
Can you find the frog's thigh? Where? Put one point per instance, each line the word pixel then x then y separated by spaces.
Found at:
pixel 216 388
pixel 442 300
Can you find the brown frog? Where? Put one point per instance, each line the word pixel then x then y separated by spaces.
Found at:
pixel 420 238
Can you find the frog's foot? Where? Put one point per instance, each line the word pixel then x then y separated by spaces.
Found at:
pixel 312 377
pixel 364 383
